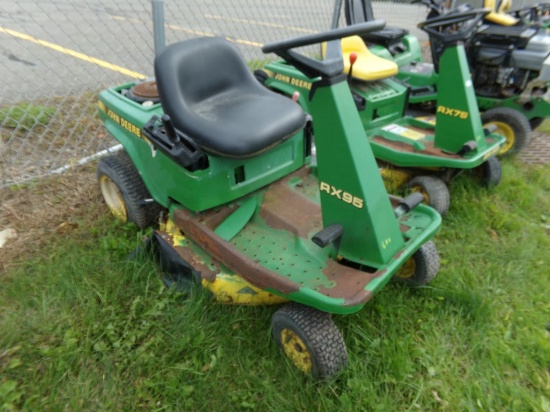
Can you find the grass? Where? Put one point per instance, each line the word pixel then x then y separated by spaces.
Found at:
pixel 84 328
pixel 26 115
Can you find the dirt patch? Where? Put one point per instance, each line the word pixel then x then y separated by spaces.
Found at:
pixel 51 207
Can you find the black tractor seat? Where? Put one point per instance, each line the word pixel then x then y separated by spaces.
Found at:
pixel 212 97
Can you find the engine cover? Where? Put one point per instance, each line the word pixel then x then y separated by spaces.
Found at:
pixel 534 54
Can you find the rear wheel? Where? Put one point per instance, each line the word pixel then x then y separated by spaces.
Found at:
pixel 510 123
pixel 434 190
pixel 421 268
pixel 124 191
pixel 310 339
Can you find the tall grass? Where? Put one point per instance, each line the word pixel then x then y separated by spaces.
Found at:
pixel 85 328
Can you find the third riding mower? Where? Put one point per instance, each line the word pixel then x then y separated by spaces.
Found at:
pixel 537 15
pixel 251 216
pixel 501 14
pixel 510 69
pixel 423 154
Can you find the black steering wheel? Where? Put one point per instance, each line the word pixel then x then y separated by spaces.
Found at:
pixel 333 63
pixel 452 27
pixel 436 7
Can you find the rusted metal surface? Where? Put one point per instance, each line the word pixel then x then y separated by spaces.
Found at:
pixel 349 283
pixel 190 257
pixel 283 208
pixel 213 218
pixel 231 257
pixel 405 147
pixel 146 90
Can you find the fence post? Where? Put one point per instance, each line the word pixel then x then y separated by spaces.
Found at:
pixel 158 24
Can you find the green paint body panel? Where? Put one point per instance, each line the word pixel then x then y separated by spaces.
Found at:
pixel 372 213
pixel 345 183
pixel 168 181
pixel 400 158
pixel 301 261
pixel 289 80
pixel 232 225
pixel 423 75
pixel 411 53
pixel 385 102
pixel 419 78
pixel 535 107
pixel 457 115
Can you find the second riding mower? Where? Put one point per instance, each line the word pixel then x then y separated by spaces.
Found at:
pixel 250 216
pixel 422 154
pixel 502 14
pixel 510 69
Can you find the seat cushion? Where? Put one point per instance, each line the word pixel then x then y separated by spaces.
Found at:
pixel 211 96
pixel 368 66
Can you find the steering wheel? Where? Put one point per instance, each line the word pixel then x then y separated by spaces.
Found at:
pixel 435 7
pixel 333 63
pixel 451 27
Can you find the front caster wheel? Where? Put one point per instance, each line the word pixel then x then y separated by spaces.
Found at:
pixel 434 190
pixel 310 339
pixel 489 173
pixel 421 268
pixel 124 191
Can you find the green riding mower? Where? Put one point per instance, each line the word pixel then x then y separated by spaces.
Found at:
pixel 420 153
pixel 510 67
pixel 249 212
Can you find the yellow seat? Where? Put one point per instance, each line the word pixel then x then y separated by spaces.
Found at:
pixel 368 66
pixel 498 12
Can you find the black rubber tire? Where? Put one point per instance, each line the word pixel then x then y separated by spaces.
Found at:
pixel 323 342
pixel 424 265
pixel 436 191
pixel 516 121
pixel 120 170
pixel 489 173
pixel 535 122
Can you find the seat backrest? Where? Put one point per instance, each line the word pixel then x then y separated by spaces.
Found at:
pixel 358 11
pixel 355 44
pixel 213 66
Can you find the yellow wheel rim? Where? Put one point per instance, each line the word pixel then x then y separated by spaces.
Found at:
pixel 506 131
pixel 424 194
pixel 296 350
pixel 113 198
pixel 407 270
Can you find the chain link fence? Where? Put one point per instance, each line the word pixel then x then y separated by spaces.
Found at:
pixel 57 55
